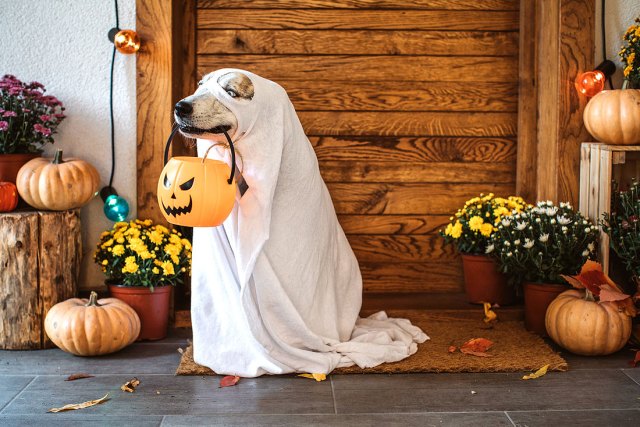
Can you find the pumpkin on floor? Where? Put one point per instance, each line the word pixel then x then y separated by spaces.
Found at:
pixel 587 327
pixel 613 116
pixel 8 196
pixel 57 184
pixel 92 327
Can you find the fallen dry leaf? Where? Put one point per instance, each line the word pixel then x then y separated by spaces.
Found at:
pixel 74 406
pixel 317 377
pixel 78 377
pixel 229 380
pixel 130 386
pixel 537 374
pixel 489 315
pixel 608 294
pixel 636 359
pixel 477 347
pixel 452 348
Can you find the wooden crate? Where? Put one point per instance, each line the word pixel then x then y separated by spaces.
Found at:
pixel 601 165
pixel 40 255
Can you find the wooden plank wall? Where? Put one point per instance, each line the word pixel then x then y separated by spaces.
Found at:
pixel 411 106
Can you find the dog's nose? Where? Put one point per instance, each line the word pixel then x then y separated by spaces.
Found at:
pixel 184 107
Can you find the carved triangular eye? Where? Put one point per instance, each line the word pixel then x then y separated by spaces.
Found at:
pixel 187 185
pixel 166 183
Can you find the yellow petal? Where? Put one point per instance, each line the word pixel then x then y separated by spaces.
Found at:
pixel 317 377
pixel 489 315
pixel 537 374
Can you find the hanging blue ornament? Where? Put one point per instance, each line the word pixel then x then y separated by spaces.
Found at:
pixel 116 208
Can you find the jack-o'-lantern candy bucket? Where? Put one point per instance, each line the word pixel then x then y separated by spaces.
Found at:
pixel 194 191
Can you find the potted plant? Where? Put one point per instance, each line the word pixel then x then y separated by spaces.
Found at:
pixel 613 116
pixel 623 227
pixel 143 262
pixel 470 230
pixel 28 120
pixel 537 247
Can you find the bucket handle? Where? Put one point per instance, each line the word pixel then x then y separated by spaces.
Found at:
pixel 233 151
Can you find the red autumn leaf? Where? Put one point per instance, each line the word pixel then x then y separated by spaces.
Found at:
pixel 78 377
pixel 229 380
pixel 476 347
pixel 636 359
pixel 452 348
pixel 608 294
pixel 573 281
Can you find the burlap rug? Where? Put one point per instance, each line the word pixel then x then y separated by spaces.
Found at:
pixel 514 349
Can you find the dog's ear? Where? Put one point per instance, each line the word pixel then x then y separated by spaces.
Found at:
pixel 237 85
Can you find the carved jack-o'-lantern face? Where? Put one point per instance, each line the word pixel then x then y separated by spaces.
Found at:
pixel 194 192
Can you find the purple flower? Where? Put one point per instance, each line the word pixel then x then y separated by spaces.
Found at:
pixel 3 126
pixel 15 90
pixel 36 85
pixel 41 129
pixel 45 117
pixel 9 114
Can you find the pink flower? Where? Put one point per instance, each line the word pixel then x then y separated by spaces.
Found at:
pixel 41 129
pixel 45 117
pixel 26 110
pixel 9 114
pixel 3 126
pixel 36 85
pixel 14 90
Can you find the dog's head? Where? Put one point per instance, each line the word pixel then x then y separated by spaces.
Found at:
pixel 203 115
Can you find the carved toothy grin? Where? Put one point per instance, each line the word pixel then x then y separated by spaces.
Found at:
pixel 178 211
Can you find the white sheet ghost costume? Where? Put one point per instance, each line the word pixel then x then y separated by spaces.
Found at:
pixel 277 289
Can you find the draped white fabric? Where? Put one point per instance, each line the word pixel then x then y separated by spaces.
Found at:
pixel 277 289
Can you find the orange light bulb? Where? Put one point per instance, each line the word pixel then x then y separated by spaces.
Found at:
pixel 590 83
pixel 127 41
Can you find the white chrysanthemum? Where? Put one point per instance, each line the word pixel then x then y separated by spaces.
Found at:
pixel 585 252
pixel 538 220
pixel 563 220
pixel 553 221
pixel 506 222
pixel 521 225
pixel 528 243
pixel 564 229
pixel 591 246
pixel 544 238
pixel 489 249
pixel 507 244
pixel 509 254
pixel 549 203
pixel 584 222
pixel 552 211
pixel 587 230
pixel 517 242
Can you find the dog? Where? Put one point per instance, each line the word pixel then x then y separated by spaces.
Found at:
pixel 202 115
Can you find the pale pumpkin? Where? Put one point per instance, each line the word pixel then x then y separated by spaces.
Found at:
pixel 92 327
pixel 587 327
pixel 57 184
pixel 613 116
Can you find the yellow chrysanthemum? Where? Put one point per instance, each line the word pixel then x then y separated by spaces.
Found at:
pixel 631 58
pixel 105 262
pixel 447 230
pixel 155 237
pixel 475 223
pixel 107 243
pixel 456 230
pixel 627 70
pixel 130 265
pixel 486 229
pixel 167 268
pixel 118 250
pixel 155 270
pixel 186 244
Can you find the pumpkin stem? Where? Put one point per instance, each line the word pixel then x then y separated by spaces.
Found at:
pixel 57 157
pixel 93 300
pixel 588 295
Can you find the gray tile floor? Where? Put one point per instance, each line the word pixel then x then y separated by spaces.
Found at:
pixel 595 392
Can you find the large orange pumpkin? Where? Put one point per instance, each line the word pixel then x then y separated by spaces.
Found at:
pixel 613 116
pixel 586 327
pixel 57 184
pixel 92 327
pixel 196 192
pixel 8 196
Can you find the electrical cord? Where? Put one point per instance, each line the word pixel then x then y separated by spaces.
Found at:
pixel 113 132
pixel 604 38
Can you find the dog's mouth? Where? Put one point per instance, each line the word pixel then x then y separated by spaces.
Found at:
pixel 174 212
pixel 191 130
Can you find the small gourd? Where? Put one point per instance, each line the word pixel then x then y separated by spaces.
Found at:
pixel 92 327
pixel 8 196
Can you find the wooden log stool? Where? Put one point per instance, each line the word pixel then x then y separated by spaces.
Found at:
pixel 40 255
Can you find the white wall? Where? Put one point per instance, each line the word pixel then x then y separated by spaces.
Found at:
pixel 63 44
pixel 619 14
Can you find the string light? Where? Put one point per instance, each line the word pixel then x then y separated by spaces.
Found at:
pixel 126 42
pixel 590 83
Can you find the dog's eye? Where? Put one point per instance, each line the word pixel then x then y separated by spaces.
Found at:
pixel 187 185
pixel 232 93
pixel 167 183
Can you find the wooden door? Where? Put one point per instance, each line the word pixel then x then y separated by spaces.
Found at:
pixel 411 106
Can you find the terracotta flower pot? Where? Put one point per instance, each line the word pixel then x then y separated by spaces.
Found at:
pixel 484 283
pixel 152 308
pixel 10 164
pixel 537 297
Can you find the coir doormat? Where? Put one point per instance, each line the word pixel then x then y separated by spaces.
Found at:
pixel 514 349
